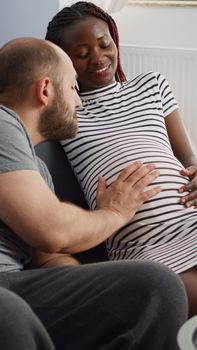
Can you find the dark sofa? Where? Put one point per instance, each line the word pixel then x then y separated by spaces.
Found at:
pixel 67 188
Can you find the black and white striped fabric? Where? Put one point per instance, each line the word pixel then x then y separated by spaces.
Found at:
pixel 119 124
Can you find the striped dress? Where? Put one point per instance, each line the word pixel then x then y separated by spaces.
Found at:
pixel 119 124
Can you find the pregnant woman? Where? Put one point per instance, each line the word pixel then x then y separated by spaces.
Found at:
pixel 121 121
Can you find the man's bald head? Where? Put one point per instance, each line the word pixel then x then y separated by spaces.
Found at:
pixel 23 61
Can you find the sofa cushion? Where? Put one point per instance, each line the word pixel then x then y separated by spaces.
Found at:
pixel 67 188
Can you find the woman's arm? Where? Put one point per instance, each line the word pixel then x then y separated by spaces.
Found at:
pixel 179 140
pixel 185 153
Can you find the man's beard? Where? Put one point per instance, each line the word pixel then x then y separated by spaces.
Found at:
pixel 58 122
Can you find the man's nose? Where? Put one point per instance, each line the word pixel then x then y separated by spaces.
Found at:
pixel 77 100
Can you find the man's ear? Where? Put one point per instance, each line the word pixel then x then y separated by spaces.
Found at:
pixel 44 90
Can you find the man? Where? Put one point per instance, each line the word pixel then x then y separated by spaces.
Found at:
pixel 108 305
pixel 20 328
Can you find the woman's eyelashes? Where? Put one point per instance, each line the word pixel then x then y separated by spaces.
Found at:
pixel 85 53
pixel 105 44
pixel 82 55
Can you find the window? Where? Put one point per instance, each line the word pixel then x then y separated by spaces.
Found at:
pixel 163 2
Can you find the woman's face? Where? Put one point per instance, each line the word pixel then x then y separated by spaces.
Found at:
pixel 92 51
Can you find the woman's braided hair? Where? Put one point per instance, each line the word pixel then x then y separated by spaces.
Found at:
pixel 75 13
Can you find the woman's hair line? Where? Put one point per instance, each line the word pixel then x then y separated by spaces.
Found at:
pixel 70 15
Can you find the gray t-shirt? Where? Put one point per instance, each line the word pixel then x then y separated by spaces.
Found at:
pixel 16 153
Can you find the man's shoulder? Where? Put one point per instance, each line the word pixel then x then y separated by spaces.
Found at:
pixel 16 149
pixel 10 120
pixel 8 114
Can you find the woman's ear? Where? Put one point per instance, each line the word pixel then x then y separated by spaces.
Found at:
pixel 44 90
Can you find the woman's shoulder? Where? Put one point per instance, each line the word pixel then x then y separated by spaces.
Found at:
pixel 144 78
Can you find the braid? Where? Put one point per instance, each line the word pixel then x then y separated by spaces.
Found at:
pixel 73 14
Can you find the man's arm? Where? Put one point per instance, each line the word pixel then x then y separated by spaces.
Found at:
pixel 42 259
pixel 31 210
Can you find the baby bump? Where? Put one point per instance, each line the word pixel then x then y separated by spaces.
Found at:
pixel 170 181
pixel 166 205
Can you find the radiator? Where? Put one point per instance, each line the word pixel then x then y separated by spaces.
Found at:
pixel 179 66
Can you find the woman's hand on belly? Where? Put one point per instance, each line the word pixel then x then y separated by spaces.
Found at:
pixel 190 199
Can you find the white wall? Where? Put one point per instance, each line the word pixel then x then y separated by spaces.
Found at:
pixel 138 26
pixel 171 27
pixel 25 18
pixel 158 26
pixel 20 18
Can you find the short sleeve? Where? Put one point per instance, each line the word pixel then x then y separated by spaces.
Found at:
pixel 167 98
pixel 16 150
